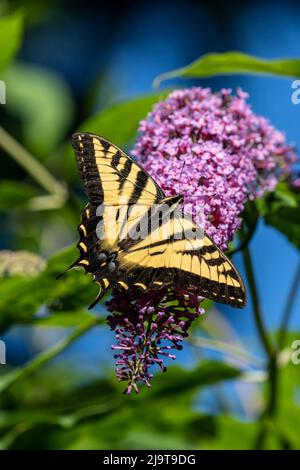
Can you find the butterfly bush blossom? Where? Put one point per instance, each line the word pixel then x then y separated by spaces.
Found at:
pixel 147 328
pixel 215 151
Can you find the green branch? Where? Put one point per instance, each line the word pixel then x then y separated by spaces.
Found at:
pixel 21 372
pixel 35 169
pixel 289 307
pixel 271 403
pixel 256 304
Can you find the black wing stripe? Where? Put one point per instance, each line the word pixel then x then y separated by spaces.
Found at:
pixel 170 239
pixel 115 160
pixel 141 182
pixel 125 172
pixel 87 166
pixel 210 262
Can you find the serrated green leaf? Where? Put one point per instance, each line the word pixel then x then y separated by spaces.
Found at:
pixel 233 62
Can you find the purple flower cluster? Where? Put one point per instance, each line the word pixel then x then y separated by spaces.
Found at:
pixel 147 327
pixel 214 150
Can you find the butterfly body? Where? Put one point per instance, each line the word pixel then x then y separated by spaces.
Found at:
pixel 133 235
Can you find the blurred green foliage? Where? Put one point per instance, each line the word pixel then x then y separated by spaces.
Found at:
pixel 46 405
pixel 33 89
pixel 11 28
pixel 99 416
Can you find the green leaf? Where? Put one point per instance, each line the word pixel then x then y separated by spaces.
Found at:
pixel 233 62
pixel 64 319
pixel 21 298
pixel 287 221
pixel 283 196
pixel 91 417
pixel 14 194
pixel 231 434
pixel 178 381
pixel 286 196
pixel 281 209
pixel 288 418
pixel 11 29
pixel 118 123
pixel 42 101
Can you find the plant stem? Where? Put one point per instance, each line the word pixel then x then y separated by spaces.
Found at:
pixel 289 307
pixel 271 407
pixel 19 373
pixel 30 164
pixel 256 304
pixel 271 352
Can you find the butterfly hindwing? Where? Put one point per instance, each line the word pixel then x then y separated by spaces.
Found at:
pixel 180 254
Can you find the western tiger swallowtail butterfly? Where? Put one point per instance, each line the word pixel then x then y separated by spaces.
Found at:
pixel 122 198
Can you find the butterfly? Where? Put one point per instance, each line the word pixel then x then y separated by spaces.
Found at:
pixel 124 201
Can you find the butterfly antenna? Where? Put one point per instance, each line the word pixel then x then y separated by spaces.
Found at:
pixel 101 294
pixel 70 267
pixel 181 171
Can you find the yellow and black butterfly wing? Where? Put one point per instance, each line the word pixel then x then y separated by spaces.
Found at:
pixel 179 253
pixel 109 174
pixel 125 195
pixel 119 192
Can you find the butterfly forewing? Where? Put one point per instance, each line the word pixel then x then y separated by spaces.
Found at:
pixel 120 190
